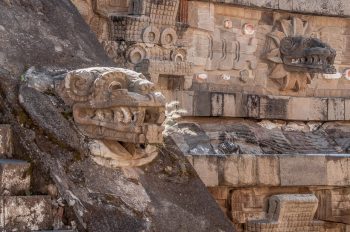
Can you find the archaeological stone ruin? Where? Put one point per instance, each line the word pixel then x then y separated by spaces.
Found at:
pixel 175 115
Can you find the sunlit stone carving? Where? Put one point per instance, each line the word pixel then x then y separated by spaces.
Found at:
pixel 296 55
pixel 120 110
pixel 289 212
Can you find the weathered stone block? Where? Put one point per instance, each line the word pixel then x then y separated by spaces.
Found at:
pixel 273 107
pixel 338 170
pixel 229 106
pixel 201 101
pixel 25 213
pixel 300 108
pixel 6 147
pixel 334 205
pixel 253 106
pixel 302 170
pixel 347 109
pixel 336 109
pixel 219 192
pixel 290 108
pixel 207 169
pixel 201 15
pixel 186 101
pixel 14 177
pixel 217 104
pixel 267 170
pixel 239 170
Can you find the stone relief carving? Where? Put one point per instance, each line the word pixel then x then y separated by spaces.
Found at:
pixel 119 109
pixel 152 36
pixel 228 53
pixel 296 56
pixel 144 33
pixel 289 212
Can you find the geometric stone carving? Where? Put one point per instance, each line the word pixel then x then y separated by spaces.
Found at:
pixel 119 109
pixel 334 205
pixel 142 35
pixel 151 32
pixel 246 205
pixel 289 212
pixel 295 56
pixel 228 54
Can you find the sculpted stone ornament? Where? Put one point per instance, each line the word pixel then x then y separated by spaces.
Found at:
pixel 296 57
pixel 119 109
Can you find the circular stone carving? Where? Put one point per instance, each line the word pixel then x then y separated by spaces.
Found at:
pixel 168 37
pixel 248 29
pixel 136 54
pixel 151 35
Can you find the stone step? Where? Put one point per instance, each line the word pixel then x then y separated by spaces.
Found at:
pixel 25 213
pixel 14 177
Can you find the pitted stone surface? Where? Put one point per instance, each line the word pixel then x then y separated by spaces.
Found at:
pixel 25 213
pixel 14 177
pixel 6 148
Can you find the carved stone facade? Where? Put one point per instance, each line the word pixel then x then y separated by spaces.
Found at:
pixel 146 38
pixel 224 60
pixel 119 109
pixel 294 212
pixel 247 164
pixel 218 49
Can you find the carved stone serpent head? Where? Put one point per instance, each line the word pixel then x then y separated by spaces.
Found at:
pixel 120 110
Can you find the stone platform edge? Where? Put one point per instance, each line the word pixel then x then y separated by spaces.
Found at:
pixel 339 8
pixel 247 170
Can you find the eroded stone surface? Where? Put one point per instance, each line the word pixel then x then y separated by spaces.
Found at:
pixel 15 177
pixel 6 138
pixel 204 137
pixel 334 205
pixel 30 213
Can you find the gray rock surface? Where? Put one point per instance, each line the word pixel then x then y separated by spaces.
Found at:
pixel 45 33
